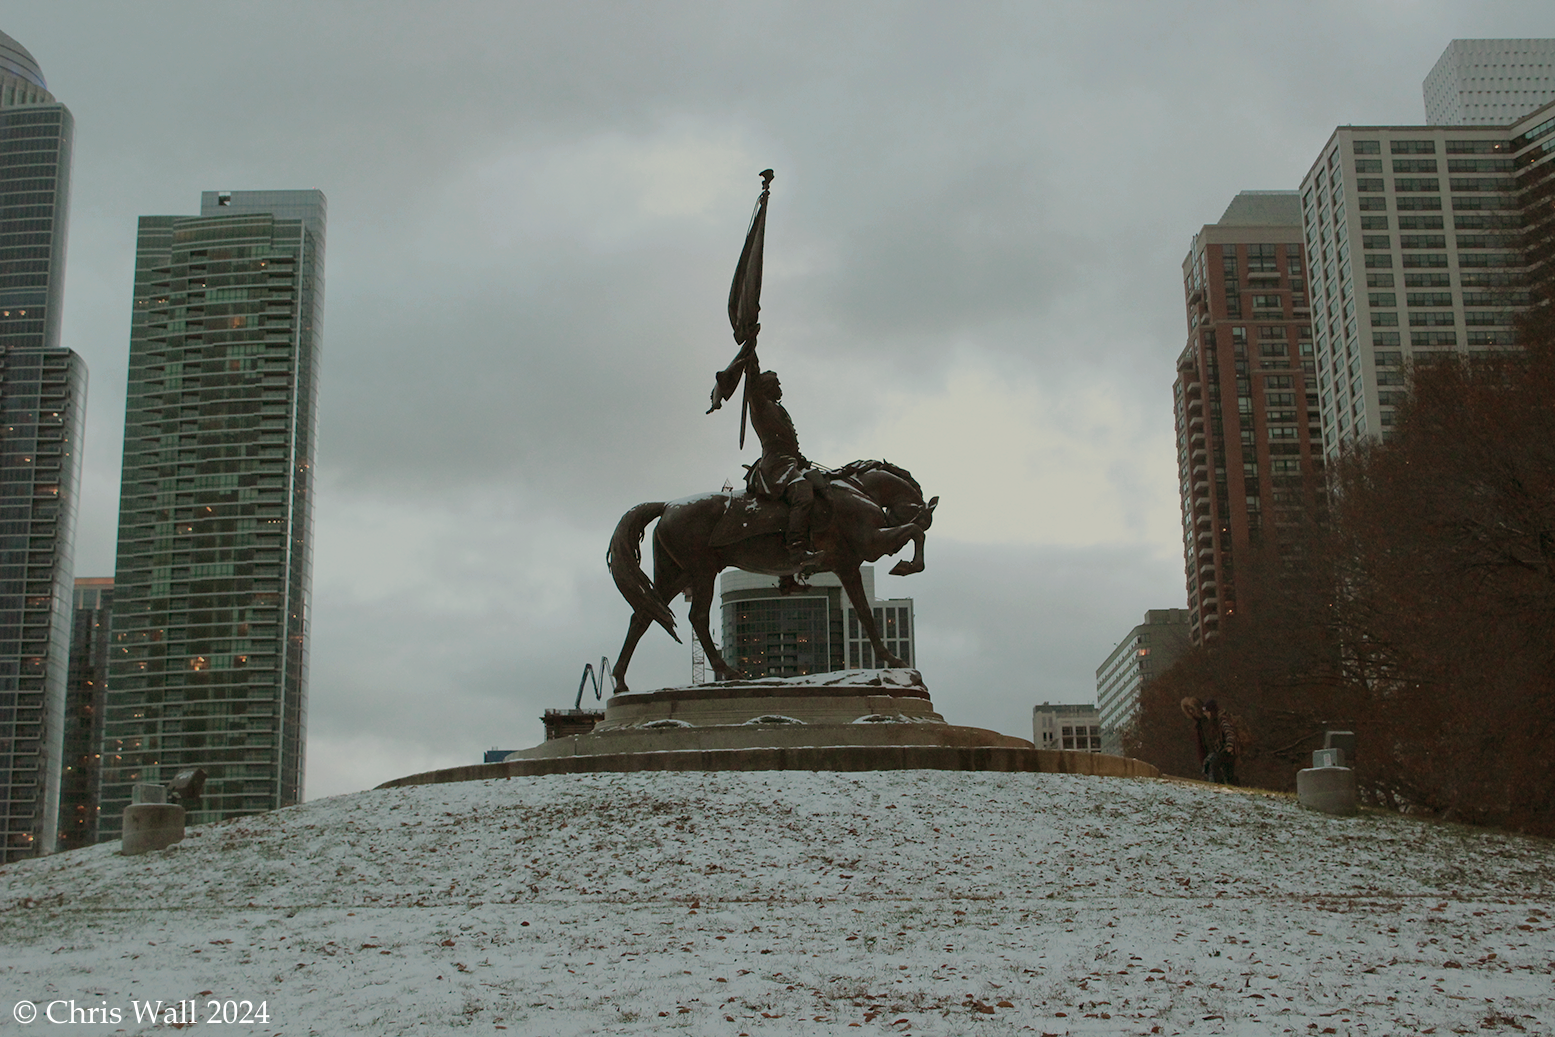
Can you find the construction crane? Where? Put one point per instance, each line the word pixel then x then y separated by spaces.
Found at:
pixel 588 675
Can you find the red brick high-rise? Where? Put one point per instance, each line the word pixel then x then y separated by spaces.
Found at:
pixel 1249 448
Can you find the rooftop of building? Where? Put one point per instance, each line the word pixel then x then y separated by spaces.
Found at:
pixel 1065 709
pixel 15 59
pixel 1531 44
pixel 1262 209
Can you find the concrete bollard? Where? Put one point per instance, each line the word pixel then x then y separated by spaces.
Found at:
pixel 1330 790
pixel 151 826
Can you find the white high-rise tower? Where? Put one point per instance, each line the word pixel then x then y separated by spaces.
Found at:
pixel 1489 82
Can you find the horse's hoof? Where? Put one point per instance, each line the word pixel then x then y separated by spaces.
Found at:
pixel 905 569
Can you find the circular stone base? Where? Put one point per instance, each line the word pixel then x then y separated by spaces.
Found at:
pixel 857 720
pixel 852 708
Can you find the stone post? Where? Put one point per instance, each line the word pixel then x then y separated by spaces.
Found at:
pixel 150 822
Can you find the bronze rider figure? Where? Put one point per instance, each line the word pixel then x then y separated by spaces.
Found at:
pixel 782 473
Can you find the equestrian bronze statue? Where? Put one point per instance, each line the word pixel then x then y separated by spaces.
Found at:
pixel 793 519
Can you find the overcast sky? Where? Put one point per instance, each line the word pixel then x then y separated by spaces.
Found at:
pixel 973 270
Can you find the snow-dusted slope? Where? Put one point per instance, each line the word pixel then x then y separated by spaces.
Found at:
pixel 795 903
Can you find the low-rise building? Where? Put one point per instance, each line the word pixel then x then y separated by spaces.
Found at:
pixel 1075 727
pixel 1148 651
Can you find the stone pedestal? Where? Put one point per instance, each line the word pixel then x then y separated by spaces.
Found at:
pixel 1330 790
pixel 852 708
pixel 151 826
pixel 856 720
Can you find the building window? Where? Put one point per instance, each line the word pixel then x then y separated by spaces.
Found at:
pixel 1261 259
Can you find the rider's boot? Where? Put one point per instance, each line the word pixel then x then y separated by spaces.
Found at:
pixel 800 556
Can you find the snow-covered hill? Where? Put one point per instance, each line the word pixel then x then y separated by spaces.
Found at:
pixel 782 903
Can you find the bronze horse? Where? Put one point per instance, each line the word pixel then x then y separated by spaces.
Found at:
pixel 868 510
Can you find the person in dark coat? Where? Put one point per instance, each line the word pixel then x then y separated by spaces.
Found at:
pixel 1218 736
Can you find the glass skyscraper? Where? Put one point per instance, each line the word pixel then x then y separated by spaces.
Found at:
pixel 85 696
pixel 42 403
pixel 208 664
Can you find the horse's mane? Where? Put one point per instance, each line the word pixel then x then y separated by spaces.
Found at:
pixel 857 468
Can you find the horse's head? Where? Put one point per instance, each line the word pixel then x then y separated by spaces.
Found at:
pixel 913 510
pixel 892 488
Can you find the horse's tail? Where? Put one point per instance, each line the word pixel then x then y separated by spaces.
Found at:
pixel 625 561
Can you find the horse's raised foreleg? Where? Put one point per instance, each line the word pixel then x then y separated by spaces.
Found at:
pixel 872 544
pixel 906 568
pixel 853 583
pixel 701 606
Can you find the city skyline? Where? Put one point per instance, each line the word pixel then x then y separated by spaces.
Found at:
pixel 528 269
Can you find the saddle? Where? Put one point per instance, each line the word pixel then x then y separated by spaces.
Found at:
pixel 747 515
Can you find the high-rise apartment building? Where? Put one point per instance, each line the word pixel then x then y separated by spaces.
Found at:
pixel 1489 82
pixel 768 634
pixel 1424 241
pixel 42 406
pixel 85 697
pixel 1248 450
pixel 1148 651
pixel 208 664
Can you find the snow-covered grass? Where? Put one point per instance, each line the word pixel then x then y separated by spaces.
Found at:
pixel 779 903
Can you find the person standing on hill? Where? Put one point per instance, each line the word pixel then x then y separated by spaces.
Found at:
pixel 1216 737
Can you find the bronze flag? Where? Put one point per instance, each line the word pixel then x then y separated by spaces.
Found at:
pixel 745 307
